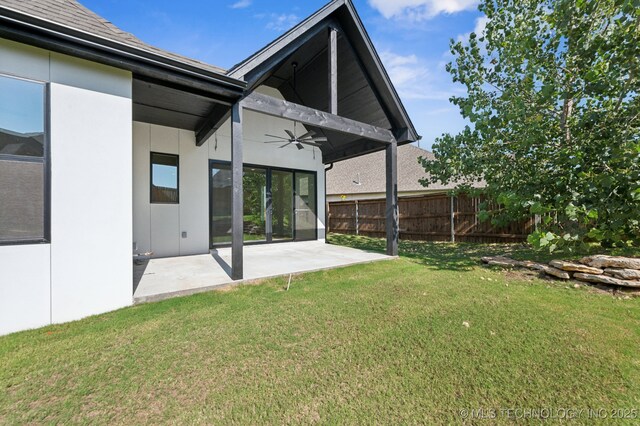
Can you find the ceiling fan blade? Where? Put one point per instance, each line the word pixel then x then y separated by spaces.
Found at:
pixel 299 145
pixel 290 133
pixel 306 135
pixel 318 139
pixel 286 144
pixel 278 137
pixel 286 140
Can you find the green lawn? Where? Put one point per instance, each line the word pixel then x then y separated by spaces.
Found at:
pixel 375 343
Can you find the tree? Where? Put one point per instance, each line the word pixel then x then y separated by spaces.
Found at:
pixel 553 102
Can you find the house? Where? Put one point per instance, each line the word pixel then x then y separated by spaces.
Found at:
pixel 110 147
pixel 361 178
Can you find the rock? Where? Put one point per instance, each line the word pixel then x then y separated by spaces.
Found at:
pixel 575 267
pixel 602 261
pixel 499 261
pixel 530 265
pixel 558 273
pixel 623 274
pixel 466 324
pixel 536 266
pixel 506 262
pixel 576 286
pixel 605 279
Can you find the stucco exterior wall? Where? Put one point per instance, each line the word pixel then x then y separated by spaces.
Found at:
pixel 86 269
pixel 159 227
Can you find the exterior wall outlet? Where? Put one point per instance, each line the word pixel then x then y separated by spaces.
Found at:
pixel 184 234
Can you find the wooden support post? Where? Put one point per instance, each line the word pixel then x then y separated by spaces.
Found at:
pixel 237 208
pixel 392 199
pixel 333 71
pixel 453 223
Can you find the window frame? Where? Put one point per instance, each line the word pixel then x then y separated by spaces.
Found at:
pixel 45 160
pixel 151 163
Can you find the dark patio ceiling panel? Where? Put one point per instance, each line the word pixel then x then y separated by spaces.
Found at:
pixel 157 104
pixel 356 99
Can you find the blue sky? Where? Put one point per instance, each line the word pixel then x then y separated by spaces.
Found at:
pixel 411 36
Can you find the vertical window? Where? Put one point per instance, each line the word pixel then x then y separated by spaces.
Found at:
pixel 282 204
pixel 23 161
pixel 220 195
pixel 254 183
pixel 164 178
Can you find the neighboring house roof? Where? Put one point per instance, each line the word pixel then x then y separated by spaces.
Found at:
pixel 74 15
pixel 366 174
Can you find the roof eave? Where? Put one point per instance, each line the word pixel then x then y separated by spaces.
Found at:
pixel 47 34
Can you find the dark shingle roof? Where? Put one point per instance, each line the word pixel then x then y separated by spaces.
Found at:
pixel 366 174
pixel 72 14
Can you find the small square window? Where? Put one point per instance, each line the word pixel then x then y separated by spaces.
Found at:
pixel 164 178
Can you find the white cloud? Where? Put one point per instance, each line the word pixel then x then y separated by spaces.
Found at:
pixel 241 4
pixel 481 24
pixel 411 77
pixel 282 22
pixel 420 10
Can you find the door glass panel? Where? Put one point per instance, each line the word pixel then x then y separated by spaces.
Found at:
pixel 220 199
pixel 255 200
pixel 282 205
pixel 305 206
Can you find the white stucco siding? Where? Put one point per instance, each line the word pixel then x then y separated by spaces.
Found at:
pixel 194 196
pixel 91 227
pixel 25 295
pixel 86 268
pixel 159 227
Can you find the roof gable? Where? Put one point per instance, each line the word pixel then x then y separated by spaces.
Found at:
pixel 354 43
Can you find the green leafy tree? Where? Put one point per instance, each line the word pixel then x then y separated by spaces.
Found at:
pixel 553 101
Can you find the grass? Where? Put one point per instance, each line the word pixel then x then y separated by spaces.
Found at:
pixel 376 343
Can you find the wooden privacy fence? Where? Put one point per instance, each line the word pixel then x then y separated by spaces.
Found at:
pixel 426 218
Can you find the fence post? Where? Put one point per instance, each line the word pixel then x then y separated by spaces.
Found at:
pixel 452 219
pixel 357 220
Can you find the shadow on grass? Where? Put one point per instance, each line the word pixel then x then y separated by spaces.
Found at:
pixel 463 256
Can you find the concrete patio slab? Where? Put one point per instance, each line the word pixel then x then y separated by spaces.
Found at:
pixel 163 278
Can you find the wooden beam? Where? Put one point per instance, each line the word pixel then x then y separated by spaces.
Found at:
pixel 313 117
pixel 392 199
pixel 237 208
pixel 333 70
pixel 218 116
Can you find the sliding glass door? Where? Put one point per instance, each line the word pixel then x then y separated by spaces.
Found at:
pixel 254 182
pixel 305 206
pixel 220 192
pixel 279 204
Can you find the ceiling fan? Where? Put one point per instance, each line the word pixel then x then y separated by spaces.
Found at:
pixel 299 141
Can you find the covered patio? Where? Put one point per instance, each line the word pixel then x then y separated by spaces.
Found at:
pixel 163 278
